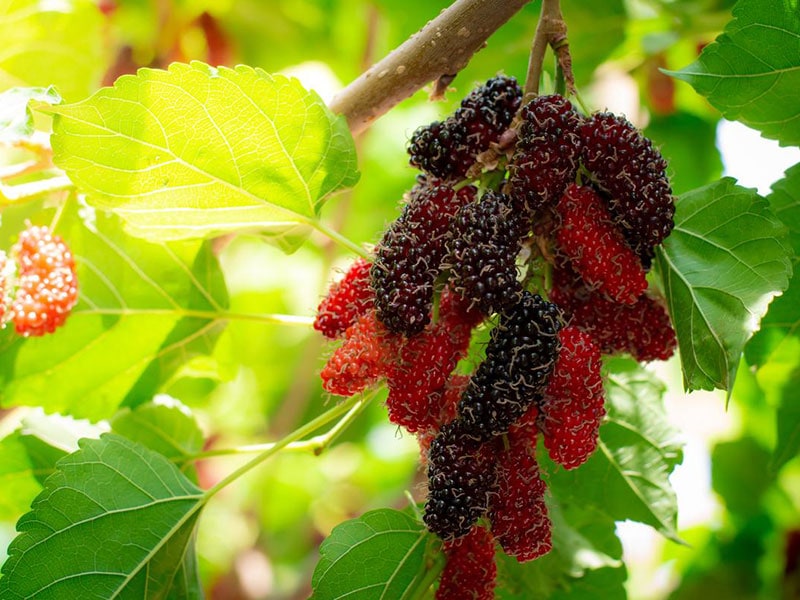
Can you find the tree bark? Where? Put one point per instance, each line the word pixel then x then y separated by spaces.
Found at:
pixel 441 48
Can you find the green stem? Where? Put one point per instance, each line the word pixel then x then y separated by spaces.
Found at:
pixel 32 189
pixel 278 319
pixel 339 238
pixel 347 408
pixel 431 575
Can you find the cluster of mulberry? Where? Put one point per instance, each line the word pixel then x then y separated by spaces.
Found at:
pixel 38 283
pixel 577 202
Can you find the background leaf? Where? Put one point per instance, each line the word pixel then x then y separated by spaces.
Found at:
pixel 723 263
pixel 16 119
pixel 52 43
pixel 195 151
pixel 627 476
pixel 378 555
pixel 87 526
pixel 133 296
pixel 752 71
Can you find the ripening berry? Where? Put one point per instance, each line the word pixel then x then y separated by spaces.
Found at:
pixel 470 570
pixel 573 404
pixel 447 149
pixel 409 256
pixel 417 378
pixel 46 285
pixel 365 357
pixel 520 355
pixel 547 153
pixel 346 300
pixel 518 512
pixel 460 480
pixel 633 173
pixel 595 247
pixel 642 329
pixel 483 251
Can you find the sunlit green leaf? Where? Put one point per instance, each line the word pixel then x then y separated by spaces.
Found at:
pixel 133 296
pixel 196 151
pixel 113 521
pixel 19 477
pixel 627 476
pixel 752 71
pixel 721 266
pixel 52 43
pixel 378 555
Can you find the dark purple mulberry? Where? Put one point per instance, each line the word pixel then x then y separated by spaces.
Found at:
pixel 482 253
pixel 448 148
pixel 632 172
pixel 460 480
pixel 409 256
pixel 547 153
pixel 520 356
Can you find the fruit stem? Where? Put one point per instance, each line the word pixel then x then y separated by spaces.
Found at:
pixel 274 318
pixel 550 31
pixel 339 238
pixel 348 410
pixel 316 445
pixel 433 569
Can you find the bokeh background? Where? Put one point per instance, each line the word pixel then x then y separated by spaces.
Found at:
pixel 258 539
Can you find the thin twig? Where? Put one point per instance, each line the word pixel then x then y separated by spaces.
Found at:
pixel 550 31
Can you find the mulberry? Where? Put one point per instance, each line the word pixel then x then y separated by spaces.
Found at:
pixel 365 356
pixel 626 165
pixel 416 380
pixel 409 256
pixel 46 285
pixel 460 480
pixel 347 300
pixel 547 153
pixel 573 404
pixel 518 513
pixel 470 571
pixel 643 329
pixel 520 355
pixel 595 247
pixel 482 253
pixel 447 149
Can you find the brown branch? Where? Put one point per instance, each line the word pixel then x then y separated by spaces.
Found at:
pixel 550 31
pixel 443 47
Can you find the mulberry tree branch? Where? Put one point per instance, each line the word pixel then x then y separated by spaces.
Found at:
pixel 440 49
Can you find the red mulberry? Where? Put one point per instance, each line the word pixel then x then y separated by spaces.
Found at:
pixel 347 300
pixel 520 355
pixel 470 571
pixel 46 285
pixel 365 356
pixel 573 404
pixel 447 149
pixel 547 153
pixel 633 173
pixel 482 253
pixel 643 329
pixel 518 512
pixel 409 256
pixel 595 247
pixel 460 480
pixel 417 380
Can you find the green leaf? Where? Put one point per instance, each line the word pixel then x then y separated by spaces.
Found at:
pixel 16 118
pixel 378 555
pixel 114 521
pixel 627 477
pixel 752 71
pixel 740 475
pixel 165 426
pixel 19 477
pixel 52 43
pixel 195 151
pixel 584 562
pixel 723 263
pixel 134 297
